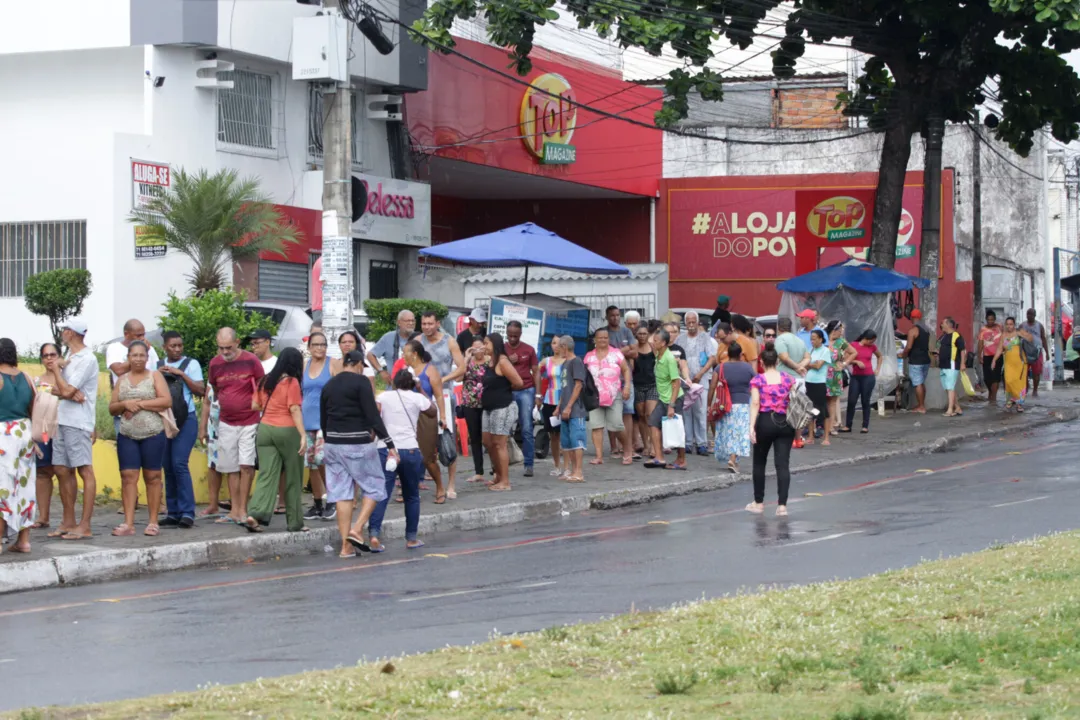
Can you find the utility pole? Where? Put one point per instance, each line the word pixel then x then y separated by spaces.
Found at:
pixel 930 249
pixel 337 246
pixel 976 224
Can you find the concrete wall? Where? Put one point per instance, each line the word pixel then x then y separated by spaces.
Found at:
pixel 36 27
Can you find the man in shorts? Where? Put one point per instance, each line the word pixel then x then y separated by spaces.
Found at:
pixel 73 447
pixel 234 375
pixel 669 388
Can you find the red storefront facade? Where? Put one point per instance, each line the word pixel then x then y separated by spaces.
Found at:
pixel 737 236
pixel 481 140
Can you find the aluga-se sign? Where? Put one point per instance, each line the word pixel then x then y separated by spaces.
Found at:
pixel 548 118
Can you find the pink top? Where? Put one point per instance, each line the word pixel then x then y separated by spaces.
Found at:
pixel 991 337
pixel 865 354
pixel 607 375
pixel 773 397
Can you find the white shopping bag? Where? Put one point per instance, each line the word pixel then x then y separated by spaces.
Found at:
pixel 674 434
pixel 538 417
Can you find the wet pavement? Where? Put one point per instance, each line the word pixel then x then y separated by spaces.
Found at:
pixel 178 631
pixel 893 432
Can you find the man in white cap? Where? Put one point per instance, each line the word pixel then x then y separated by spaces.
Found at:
pixel 477 329
pixel 73 448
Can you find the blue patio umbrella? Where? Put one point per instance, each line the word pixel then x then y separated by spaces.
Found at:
pixel 853 275
pixel 523 246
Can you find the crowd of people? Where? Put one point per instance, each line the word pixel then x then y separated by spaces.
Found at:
pixel 660 390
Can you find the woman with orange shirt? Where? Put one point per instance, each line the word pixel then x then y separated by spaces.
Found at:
pixel 281 443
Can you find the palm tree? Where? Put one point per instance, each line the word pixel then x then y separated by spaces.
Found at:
pixel 215 220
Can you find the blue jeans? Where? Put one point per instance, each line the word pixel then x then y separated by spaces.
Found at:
pixel 411 469
pixel 526 401
pixel 862 390
pixel 179 494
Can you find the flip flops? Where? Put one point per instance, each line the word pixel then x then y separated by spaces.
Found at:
pixel 358 543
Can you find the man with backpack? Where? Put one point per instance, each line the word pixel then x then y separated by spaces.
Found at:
pixel 1034 350
pixel 184 376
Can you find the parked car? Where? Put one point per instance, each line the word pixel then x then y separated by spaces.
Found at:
pixel 293 322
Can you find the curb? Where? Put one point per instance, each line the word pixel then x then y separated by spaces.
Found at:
pixel 107 565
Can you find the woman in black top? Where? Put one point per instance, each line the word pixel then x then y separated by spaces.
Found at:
pixel 644 378
pixel 500 411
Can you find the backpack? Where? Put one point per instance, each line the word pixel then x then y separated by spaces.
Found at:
pixel 176 391
pixel 1030 350
pixel 590 395
pixel 800 408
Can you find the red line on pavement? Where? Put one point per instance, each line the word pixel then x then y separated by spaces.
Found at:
pixel 578 534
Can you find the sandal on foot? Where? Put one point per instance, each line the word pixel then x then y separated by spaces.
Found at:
pixel 755 508
pixel 596 461
pixel 440 499
pixel 252 525
pixel 39 525
pixel 358 543
pixel 628 461
pixel 59 532
pixel 121 530
pixel 347 555
pixel 451 494
pixel 80 536
pixel 781 511
pixel 674 466
pixel 279 510
pixel 419 544
pixel 152 530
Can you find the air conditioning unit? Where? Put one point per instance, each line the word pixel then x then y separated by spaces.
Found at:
pixel 384 107
pixel 320 48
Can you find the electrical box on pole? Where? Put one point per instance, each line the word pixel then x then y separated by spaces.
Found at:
pixel 320 48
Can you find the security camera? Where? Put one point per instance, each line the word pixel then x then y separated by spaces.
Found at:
pixel 159 81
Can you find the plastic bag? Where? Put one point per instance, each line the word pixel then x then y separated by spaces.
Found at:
pixel 969 390
pixel 447 448
pixel 673 432
pixel 538 417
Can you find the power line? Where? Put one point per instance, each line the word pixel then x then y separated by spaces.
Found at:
pixel 1007 161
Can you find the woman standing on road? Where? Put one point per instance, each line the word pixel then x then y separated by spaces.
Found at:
pixel 316 375
pixel 281 443
pixel 138 398
pixel 769 430
pixel 733 432
pixel 645 395
pixel 863 379
pixel 551 383
pixel 17 489
pixel 44 423
pixel 843 353
pixel 429 380
pixel 1011 349
pixel 821 359
pixel 472 389
pixel 500 412
pixel 400 409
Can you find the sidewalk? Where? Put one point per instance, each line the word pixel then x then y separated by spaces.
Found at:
pixel 56 562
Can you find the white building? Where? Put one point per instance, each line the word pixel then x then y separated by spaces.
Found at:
pixel 89 88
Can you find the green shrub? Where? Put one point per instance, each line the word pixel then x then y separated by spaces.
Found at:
pixel 58 295
pixel 199 318
pixel 383 313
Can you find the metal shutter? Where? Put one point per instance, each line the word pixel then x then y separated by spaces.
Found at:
pixel 283 282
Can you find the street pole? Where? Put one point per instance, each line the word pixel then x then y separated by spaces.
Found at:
pixel 930 249
pixel 337 275
pixel 976 226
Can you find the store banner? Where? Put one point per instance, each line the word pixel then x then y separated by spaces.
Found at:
pixel 391 211
pixel 146 246
pixel 751 233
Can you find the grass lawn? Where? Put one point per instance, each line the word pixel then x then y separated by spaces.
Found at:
pixel 990 635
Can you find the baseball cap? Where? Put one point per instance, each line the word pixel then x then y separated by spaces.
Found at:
pixel 806 314
pixel 75 325
pixel 916 314
pixel 479 315
pixel 351 358
pixel 261 334
pixel 721 299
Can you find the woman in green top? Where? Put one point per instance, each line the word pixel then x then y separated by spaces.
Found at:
pixel 18 489
pixel 842 355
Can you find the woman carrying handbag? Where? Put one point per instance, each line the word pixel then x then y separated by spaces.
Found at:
pixel 731 386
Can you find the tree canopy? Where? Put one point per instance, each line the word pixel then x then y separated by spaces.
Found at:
pixel 927 58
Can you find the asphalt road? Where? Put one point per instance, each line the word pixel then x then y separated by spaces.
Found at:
pixel 183 630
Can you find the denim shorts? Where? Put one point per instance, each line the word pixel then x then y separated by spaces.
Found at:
pixel 353 466
pixel 572 434
pixel 628 404
pixel 918 374
pixel 146 454
pixel 46 454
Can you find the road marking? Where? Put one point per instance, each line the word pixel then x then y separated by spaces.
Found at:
pixel 822 539
pixel 1020 502
pixel 443 595
pixel 659 522
pixel 536 585
pixel 506 546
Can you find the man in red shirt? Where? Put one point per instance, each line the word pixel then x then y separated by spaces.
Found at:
pixel 523 357
pixel 235 375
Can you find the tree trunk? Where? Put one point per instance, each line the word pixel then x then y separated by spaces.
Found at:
pixel 889 203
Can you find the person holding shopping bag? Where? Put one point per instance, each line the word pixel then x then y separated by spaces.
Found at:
pixel 669 389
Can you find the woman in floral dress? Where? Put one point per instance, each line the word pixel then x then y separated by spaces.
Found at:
pixel 18 487
pixel 472 390
pixel 842 355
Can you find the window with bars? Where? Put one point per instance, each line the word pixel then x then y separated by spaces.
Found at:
pixel 383 279
pixel 316 122
pixel 246 112
pixel 33 247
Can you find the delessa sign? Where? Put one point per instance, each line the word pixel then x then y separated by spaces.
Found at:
pixel 380 202
pixel 548 118
pixel 387 210
pixel 745 233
